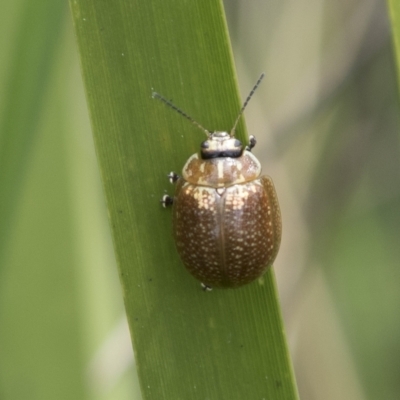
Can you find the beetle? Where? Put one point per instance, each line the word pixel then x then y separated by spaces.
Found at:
pixel 226 217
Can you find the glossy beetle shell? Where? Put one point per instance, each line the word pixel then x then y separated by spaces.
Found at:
pixel 226 220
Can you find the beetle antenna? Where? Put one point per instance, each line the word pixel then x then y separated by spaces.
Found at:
pixel 174 107
pixel 246 102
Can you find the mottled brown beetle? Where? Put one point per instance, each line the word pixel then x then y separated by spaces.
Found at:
pixel 226 218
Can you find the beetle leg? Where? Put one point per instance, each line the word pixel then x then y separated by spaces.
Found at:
pixel 205 287
pixel 167 201
pixel 173 177
pixel 252 143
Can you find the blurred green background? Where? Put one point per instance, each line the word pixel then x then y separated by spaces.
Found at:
pixel 326 120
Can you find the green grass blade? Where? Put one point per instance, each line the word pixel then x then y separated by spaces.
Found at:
pixel 40 320
pixel 227 344
pixel 394 12
pixel 24 83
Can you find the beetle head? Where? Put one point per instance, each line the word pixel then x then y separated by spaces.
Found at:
pixel 221 144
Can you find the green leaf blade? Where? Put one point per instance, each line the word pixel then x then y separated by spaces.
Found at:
pixel 188 344
pixel 394 12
